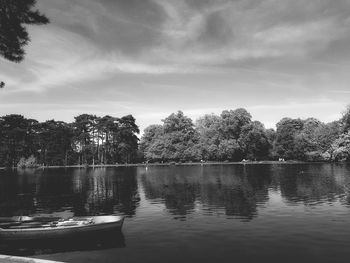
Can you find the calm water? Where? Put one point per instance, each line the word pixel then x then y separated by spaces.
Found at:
pixel 222 213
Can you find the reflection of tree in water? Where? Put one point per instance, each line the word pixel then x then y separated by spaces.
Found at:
pixel 54 191
pixel 127 192
pixel 235 189
pixel 238 189
pixel 176 187
pixel 16 192
pixel 311 183
pixel 106 191
pixel 81 191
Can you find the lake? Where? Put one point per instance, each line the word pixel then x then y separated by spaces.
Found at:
pixel 193 213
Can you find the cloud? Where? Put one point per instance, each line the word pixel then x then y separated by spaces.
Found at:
pixel 231 32
pixel 195 55
pixel 163 36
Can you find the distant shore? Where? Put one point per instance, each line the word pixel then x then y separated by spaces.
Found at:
pixel 167 164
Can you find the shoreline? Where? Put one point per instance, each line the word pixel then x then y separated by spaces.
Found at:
pixel 169 164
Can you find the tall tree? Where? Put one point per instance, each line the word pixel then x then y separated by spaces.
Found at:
pixel 55 139
pixel 83 126
pixel 107 125
pixel 125 141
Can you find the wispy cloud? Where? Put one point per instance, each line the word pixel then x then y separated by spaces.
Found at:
pixel 186 38
pixel 92 38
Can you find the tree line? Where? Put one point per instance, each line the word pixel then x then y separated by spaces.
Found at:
pixel 89 140
pixel 234 136
pixel 230 136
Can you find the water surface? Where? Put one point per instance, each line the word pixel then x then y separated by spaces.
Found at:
pixel 226 213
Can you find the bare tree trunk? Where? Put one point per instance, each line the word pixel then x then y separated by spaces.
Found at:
pixel 106 145
pixel 98 148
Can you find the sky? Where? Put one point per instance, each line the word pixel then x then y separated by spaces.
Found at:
pixel 150 58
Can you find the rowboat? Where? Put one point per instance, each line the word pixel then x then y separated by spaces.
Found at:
pixel 58 229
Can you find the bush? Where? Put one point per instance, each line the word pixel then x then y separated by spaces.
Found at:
pixel 318 156
pixel 340 149
pixel 326 156
pixel 27 163
pixel 31 162
pixel 22 163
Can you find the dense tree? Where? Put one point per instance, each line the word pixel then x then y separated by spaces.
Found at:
pixel 180 138
pixel 340 149
pixel 208 127
pixel 176 140
pixel 125 141
pixel 106 126
pixel 271 136
pixel 287 129
pixel 83 127
pixel 326 134
pixel 150 134
pixel 17 138
pixel 254 141
pixel 229 150
pixel 155 150
pixel 345 120
pixel 88 140
pixel 55 139
pixel 233 121
pixel 232 136
pixel 111 139
pixel 305 139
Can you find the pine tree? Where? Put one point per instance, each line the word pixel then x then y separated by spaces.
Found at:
pixel 14 15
